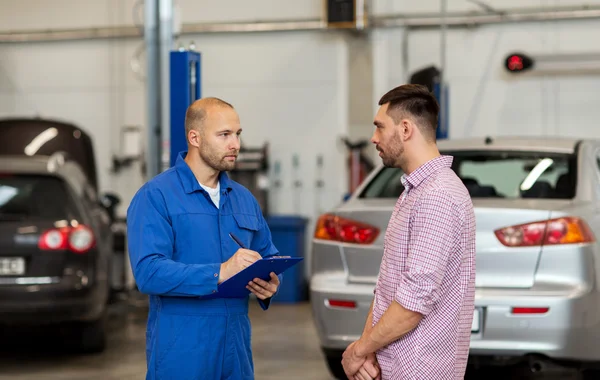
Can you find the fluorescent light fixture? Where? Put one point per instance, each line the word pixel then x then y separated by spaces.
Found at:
pixel 535 173
pixel 40 140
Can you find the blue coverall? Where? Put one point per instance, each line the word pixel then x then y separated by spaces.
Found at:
pixel 177 240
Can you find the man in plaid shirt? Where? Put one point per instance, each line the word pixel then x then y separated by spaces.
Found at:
pixel 419 326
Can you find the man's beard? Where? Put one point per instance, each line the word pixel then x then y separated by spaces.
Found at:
pixel 393 156
pixel 216 161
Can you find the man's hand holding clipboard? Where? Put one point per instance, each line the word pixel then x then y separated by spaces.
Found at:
pixel 252 273
pixel 260 288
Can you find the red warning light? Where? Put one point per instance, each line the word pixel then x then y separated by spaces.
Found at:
pixel 518 62
pixel 515 63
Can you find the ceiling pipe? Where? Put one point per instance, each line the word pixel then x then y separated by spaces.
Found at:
pixel 245 27
pixel 468 20
pixel 429 21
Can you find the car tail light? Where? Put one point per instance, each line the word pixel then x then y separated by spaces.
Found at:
pixel 76 239
pixel 331 227
pixel 530 310
pixel 341 304
pixel 567 230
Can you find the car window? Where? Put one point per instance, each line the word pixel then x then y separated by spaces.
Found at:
pixel 36 197
pixel 496 174
pixel 516 174
pixel 385 185
pixel 39 137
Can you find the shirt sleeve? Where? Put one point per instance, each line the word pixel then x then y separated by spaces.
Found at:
pixel 434 234
pixel 150 243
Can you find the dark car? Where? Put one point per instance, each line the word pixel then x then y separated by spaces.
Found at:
pixel 56 243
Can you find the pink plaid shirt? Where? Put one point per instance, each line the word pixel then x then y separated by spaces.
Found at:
pixel 428 267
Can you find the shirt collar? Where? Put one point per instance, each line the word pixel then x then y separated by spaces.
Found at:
pixel 415 178
pixel 188 179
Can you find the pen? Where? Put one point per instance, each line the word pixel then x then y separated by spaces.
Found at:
pixel 238 241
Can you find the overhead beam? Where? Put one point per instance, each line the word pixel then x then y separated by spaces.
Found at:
pixel 413 21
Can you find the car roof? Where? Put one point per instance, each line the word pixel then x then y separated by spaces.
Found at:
pixel 24 164
pixel 57 165
pixel 522 143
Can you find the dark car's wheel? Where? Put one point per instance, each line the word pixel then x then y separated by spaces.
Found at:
pixel 591 374
pixel 92 336
pixel 334 362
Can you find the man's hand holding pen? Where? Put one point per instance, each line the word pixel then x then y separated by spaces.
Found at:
pixel 242 259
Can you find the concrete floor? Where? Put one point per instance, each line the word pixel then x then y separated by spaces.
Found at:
pixel 285 346
pixel 39 355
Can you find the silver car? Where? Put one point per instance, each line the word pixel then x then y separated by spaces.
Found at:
pixel 537 203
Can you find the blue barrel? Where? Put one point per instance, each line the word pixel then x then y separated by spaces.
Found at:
pixel 288 234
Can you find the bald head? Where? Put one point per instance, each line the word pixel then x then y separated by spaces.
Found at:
pixel 197 112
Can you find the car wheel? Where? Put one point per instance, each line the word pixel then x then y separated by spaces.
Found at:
pixel 591 374
pixel 334 363
pixel 93 336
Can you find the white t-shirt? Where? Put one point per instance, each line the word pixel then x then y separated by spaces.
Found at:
pixel 215 193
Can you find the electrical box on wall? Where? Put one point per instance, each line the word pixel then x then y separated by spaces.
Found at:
pixel 346 14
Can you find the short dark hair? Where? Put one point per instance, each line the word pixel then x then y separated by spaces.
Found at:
pixel 417 101
pixel 196 112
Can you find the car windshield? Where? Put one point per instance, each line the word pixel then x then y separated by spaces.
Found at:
pixel 34 197
pixel 497 174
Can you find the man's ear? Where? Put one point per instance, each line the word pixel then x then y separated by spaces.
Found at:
pixel 406 129
pixel 193 138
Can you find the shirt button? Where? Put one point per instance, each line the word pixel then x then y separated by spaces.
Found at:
pixel 216 275
pixel 214 291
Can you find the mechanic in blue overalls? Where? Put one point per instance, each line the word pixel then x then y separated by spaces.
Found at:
pixel 178 227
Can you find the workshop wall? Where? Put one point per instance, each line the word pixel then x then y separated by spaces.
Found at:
pixel 484 98
pixel 289 88
pixel 300 91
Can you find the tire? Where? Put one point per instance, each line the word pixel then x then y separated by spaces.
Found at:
pixel 92 336
pixel 591 374
pixel 334 363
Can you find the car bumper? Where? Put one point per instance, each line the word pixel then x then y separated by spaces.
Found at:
pixel 51 300
pixel 570 329
pixel 337 327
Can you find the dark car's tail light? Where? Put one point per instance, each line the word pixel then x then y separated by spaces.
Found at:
pixel 567 230
pixel 76 239
pixel 331 227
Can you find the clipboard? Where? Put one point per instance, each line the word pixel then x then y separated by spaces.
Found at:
pixel 235 287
